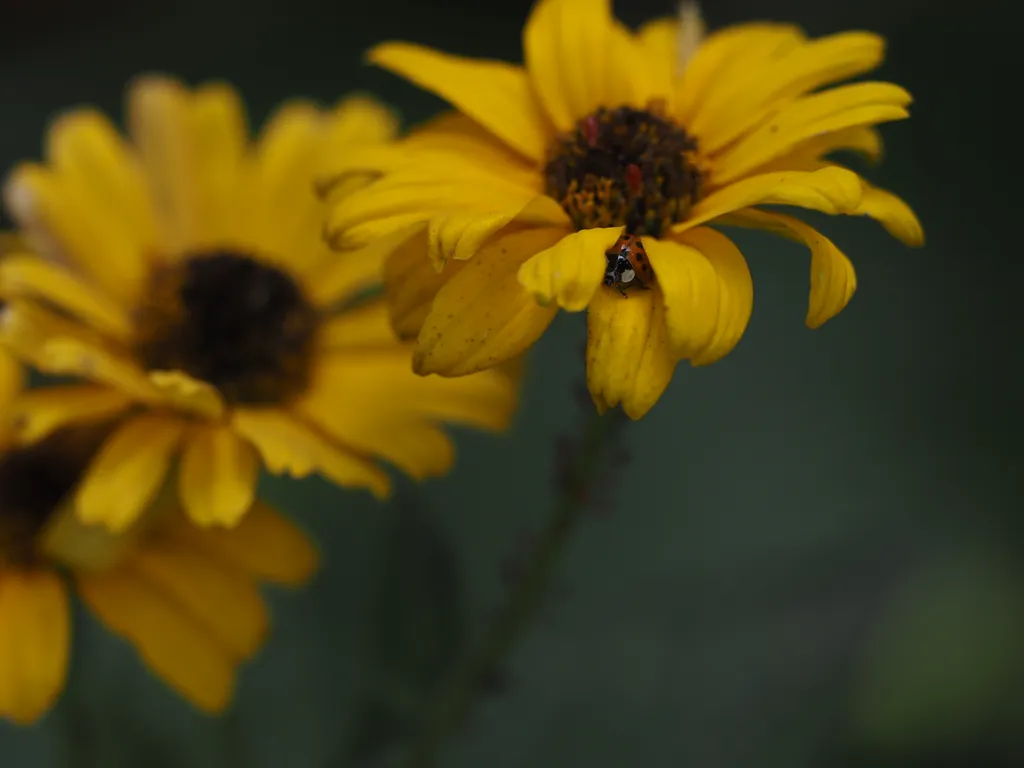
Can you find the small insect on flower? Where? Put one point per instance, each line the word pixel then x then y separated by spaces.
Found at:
pixel 628 265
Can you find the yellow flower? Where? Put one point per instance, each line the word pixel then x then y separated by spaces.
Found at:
pixel 184 276
pixel 186 598
pixel 527 187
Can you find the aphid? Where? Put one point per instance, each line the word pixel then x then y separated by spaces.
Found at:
pixel 628 265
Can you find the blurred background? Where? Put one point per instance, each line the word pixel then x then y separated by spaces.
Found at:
pixel 815 556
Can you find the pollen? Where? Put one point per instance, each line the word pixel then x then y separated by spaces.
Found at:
pixel 233 321
pixel 624 167
pixel 34 481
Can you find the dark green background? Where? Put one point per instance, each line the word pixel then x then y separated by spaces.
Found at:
pixel 814 558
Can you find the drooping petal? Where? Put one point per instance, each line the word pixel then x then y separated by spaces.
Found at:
pixel 128 471
pixel 727 58
pixel 830 190
pixel 28 276
pixel 893 213
pixel 171 642
pixel 220 598
pixel 264 544
pixel 41 411
pixel 738 106
pixel 482 316
pixel 579 58
pixel 692 294
pixel 571 270
pixel 833 279
pixel 35 640
pixel 629 357
pixel 289 446
pixel 495 94
pixel 736 292
pixel 61 221
pixel 411 282
pixel 852 106
pixel 217 477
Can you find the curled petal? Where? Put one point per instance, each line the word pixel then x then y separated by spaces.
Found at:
pixel 571 270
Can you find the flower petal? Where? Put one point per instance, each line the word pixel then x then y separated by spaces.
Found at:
pixel 24 275
pixel 35 640
pixel 830 190
pixel 658 40
pixel 629 357
pixel 495 94
pixel 833 280
pixel 128 470
pixel 482 316
pixel 571 270
pixel 288 446
pixel 12 382
pixel 736 297
pixel 264 544
pixel 223 600
pixel 40 412
pixel 62 221
pixel 411 282
pixel 809 155
pixel 891 212
pixel 852 106
pixel 359 120
pixel 737 106
pixel 578 58
pixel 178 390
pixel 217 477
pixel 728 57
pixel 692 294
pixel 167 637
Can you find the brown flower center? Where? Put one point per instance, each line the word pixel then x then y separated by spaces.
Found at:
pixel 237 323
pixel 624 167
pixel 34 481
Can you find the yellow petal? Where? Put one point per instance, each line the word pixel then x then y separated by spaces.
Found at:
pixel 809 155
pixel 726 58
pixel 411 282
pixel 24 275
pixel 223 600
pixel 168 638
pixel 736 292
pixel 578 58
pixel 495 94
pixel 264 544
pixel 482 316
pixel 629 358
pixel 62 221
pixel 12 382
pixel 381 385
pixel 741 103
pixel 833 280
pixel 658 40
pixel 41 411
pixel 217 477
pixel 838 109
pixel 691 291
pixel 178 390
pixel 365 326
pixel 571 270
pixel 830 190
pixel 358 120
pixel 291 447
pixel 893 214
pixel 127 472
pixel 220 133
pixel 160 121
pixel 57 346
pixel 35 640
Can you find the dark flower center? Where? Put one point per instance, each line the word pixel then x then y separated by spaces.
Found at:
pixel 237 323
pixel 624 167
pixel 34 481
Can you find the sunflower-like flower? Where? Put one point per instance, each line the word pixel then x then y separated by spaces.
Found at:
pixel 186 598
pixel 184 277
pixel 605 159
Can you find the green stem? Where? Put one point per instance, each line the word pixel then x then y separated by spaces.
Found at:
pixel 457 696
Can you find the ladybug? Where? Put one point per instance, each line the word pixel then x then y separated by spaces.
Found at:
pixel 628 265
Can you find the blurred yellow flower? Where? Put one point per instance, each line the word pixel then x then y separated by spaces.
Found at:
pixel 525 190
pixel 186 598
pixel 185 277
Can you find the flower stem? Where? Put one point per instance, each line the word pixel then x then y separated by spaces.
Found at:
pixel 466 683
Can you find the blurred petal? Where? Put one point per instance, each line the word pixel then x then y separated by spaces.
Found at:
pixel 39 412
pixel 217 477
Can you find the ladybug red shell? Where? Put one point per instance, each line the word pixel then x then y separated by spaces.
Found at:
pixel 627 265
